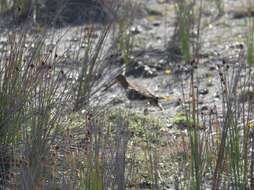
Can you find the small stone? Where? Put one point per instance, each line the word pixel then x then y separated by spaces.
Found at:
pixel 204 108
pixel 239 46
pixel 136 30
pixel 149 72
pixel 204 91
pixel 178 102
pixel 164 130
pixel 161 61
pixel 74 39
pixel 83 45
pixel 216 95
pixel 132 57
pixel 212 111
pixel 209 83
pixel 146 57
pixel 169 125
pixel 154 10
pixel 117 101
pixel 156 23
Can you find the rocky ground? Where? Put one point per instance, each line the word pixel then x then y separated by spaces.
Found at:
pixel 157 67
pixel 155 62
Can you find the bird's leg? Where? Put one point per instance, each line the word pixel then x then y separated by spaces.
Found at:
pixel 160 106
pixel 155 102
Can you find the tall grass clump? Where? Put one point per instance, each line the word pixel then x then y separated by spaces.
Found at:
pixel 235 147
pixel 47 107
pixel 19 78
pixel 91 64
pixel 188 22
pixel 13 99
pixel 32 99
pixel 106 156
pixel 225 155
pixel 37 101
pixel 248 143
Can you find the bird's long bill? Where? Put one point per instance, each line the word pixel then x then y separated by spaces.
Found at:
pixel 107 86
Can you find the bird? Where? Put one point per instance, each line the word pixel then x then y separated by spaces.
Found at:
pixel 135 91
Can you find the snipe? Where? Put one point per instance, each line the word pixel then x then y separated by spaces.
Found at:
pixel 135 91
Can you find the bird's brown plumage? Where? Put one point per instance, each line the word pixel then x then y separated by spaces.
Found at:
pixel 135 91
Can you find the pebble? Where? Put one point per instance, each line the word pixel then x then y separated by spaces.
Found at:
pixel 209 83
pixel 117 101
pixel 156 23
pixel 154 10
pixel 149 72
pixel 162 61
pixel 136 30
pixel 84 45
pixel 204 91
pixel 169 125
pixel 212 67
pixel 204 108
pixel 74 39
pixel 216 95
pixel 158 38
pixel 178 102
